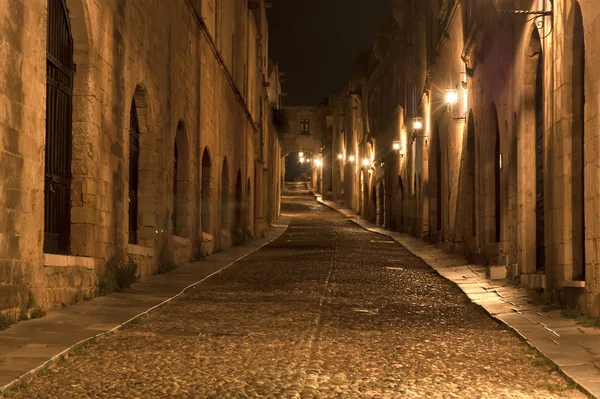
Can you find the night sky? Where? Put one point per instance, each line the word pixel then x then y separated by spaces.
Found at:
pixel 317 41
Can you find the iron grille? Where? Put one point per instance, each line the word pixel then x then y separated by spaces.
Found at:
pixel 59 92
pixel 134 161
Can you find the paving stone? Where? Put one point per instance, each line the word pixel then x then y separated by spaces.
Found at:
pixel 314 316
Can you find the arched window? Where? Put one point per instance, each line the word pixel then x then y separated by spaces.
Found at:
pixel 134 161
pixel 59 109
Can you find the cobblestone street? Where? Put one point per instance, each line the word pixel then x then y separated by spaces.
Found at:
pixel 327 310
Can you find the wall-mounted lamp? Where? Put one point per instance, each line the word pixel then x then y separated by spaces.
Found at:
pixel 318 163
pixel 451 99
pixel 417 123
pixel 397 147
pixel 366 161
pixel 351 158
pixel 451 96
pixel 340 156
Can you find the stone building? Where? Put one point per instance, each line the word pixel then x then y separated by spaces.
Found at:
pixel 304 129
pixel 493 113
pixel 129 129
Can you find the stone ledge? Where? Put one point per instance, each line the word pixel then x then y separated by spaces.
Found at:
pixel 572 284
pixel 139 250
pixel 181 241
pixel 52 260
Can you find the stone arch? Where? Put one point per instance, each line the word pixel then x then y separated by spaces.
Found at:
pixel 142 171
pixel 182 187
pixel 471 175
pixel 381 204
pixel 225 200
pixel 239 205
pixel 86 133
pixel 497 209
pixel 206 193
pixel 249 197
pixel 531 160
pixel 435 186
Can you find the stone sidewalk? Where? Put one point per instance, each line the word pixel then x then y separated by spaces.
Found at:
pixel 574 349
pixel 30 346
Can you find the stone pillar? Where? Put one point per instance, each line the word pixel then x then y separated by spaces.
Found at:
pixel 260 223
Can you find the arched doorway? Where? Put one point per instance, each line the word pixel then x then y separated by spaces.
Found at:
pixel 225 195
pixel 381 204
pixel 239 208
pixel 181 187
pixel 539 152
pixel 531 162
pixel 577 143
pixel 206 192
pixel 435 186
pixel 58 150
pixel 471 186
pixel 497 181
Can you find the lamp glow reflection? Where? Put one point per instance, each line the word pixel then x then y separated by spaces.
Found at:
pixel 451 96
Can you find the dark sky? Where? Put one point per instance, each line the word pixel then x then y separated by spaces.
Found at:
pixel 316 43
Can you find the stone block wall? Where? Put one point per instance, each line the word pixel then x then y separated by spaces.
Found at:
pixel 194 80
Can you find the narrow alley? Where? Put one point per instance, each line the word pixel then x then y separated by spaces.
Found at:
pixel 313 314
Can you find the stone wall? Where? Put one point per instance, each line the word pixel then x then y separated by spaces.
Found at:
pixel 195 74
pixel 469 174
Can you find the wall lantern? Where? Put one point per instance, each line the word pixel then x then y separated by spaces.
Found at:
pixel 397 147
pixel 417 127
pixel 417 123
pixel 351 158
pixel 451 96
pixel 451 99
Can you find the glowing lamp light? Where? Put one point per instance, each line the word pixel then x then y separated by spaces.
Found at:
pixel 417 123
pixel 301 159
pixel 451 96
pixel 301 154
pixel 366 161
pixel 351 158
pixel 340 156
pixel 318 162
pixel 396 145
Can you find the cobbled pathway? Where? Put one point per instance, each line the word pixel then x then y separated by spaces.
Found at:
pixel 327 310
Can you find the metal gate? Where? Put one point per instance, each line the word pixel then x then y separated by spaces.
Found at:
pixel 134 161
pixel 59 92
